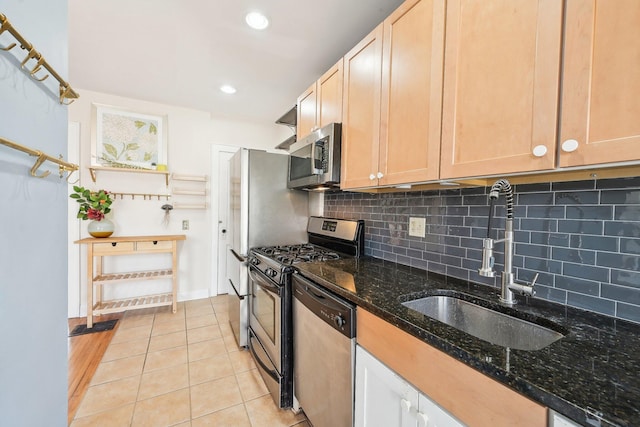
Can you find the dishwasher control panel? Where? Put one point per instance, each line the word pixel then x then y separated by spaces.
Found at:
pixel 333 310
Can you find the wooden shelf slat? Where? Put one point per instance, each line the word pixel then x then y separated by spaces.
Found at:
pixel 130 276
pixel 114 306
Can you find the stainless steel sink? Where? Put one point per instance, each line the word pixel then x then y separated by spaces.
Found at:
pixel 485 323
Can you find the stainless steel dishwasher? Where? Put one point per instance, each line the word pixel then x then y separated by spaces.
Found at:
pixel 324 354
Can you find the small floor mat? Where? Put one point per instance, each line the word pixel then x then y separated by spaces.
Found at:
pixel 107 325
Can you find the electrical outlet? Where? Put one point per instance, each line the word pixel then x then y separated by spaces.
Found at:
pixel 185 224
pixel 417 227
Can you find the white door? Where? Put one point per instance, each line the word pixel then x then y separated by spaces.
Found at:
pixel 221 238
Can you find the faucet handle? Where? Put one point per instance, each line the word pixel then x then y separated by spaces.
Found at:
pixel 533 282
pixel 524 289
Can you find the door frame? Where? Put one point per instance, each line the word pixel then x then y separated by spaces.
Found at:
pixel 74 283
pixel 216 149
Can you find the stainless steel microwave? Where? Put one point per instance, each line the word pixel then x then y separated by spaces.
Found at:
pixel 314 161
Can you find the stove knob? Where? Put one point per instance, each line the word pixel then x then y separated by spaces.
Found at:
pixel 339 320
pixel 271 272
pixel 254 261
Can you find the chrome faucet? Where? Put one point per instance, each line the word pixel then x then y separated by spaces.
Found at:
pixel 509 286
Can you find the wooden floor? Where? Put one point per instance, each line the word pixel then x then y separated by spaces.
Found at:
pixel 85 353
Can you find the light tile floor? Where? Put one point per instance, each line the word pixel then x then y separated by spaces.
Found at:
pixel 182 369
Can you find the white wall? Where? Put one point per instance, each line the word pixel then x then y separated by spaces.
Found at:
pixel 191 135
pixel 33 225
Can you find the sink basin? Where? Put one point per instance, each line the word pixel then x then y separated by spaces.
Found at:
pixel 485 323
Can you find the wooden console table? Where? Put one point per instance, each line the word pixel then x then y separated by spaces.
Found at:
pixel 128 245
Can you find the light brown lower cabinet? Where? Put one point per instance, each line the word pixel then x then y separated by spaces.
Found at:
pixel 465 394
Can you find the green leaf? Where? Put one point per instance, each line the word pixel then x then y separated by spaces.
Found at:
pixel 148 156
pixel 153 129
pixel 132 147
pixel 111 150
pixel 75 196
pixel 139 124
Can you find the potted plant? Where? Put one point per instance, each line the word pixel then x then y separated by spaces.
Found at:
pixel 94 205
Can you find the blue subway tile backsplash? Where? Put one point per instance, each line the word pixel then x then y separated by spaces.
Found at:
pixel 583 237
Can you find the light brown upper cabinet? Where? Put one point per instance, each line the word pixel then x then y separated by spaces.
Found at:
pixel 601 83
pixel 501 78
pixel 361 111
pixel 306 111
pixel 321 103
pixel 392 99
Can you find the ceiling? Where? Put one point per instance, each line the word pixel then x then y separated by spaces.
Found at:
pixel 179 52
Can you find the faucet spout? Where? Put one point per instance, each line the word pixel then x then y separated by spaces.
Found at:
pixel 508 283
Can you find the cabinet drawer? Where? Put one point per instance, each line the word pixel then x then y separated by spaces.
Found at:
pixel 155 246
pixel 113 248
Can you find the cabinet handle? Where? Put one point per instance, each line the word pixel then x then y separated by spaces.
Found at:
pixel 570 145
pixel 372 177
pixel 406 405
pixel 155 242
pixel 423 419
pixel 114 244
pixel 380 175
pixel 539 150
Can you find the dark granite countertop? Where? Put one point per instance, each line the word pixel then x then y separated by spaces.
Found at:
pixel 592 375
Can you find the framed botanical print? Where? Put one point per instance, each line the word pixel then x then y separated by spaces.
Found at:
pixel 127 139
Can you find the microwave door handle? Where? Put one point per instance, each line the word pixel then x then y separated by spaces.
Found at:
pixel 315 170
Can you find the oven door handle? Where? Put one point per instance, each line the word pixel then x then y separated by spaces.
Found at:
pixel 263 283
pixel 271 372
pixel 240 297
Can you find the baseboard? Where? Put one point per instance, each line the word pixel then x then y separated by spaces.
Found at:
pixel 188 296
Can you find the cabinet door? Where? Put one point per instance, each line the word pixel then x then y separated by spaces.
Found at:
pixel 361 112
pixel 411 105
pixel 329 108
pixel 601 82
pixel 431 414
pixel 306 120
pixel 382 397
pixel 502 62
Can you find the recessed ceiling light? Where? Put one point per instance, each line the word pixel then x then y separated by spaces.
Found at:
pixel 228 89
pixel 256 20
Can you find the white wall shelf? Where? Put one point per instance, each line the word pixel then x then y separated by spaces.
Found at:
pixel 189 191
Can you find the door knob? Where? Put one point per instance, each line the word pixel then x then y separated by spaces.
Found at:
pixel 224 230
pixel 570 145
pixel 372 177
pixel 539 150
pixel 380 175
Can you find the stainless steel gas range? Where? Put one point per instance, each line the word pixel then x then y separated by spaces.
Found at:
pixel 270 306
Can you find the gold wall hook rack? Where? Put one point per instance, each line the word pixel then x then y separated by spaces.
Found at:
pixel 41 158
pixel 66 94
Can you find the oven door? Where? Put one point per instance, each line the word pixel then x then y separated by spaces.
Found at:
pixel 265 311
